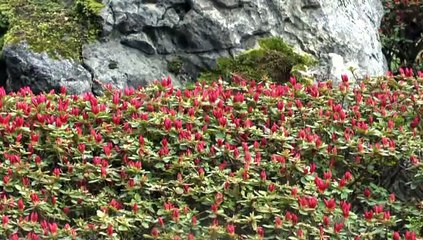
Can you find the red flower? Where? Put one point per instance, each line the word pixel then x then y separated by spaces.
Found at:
pixel 278 222
pixel 239 98
pixel 194 220
pixel 337 227
pixel 32 236
pixel 271 187
pixel 326 220
pixel 348 175
pixel 327 175
pixel 345 208
pixel 135 208
pixel 378 208
pixel 386 215
pixel 5 220
pixel 321 185
pixel 81 148
pixel 344 78
pixel 368 215
pixel 260 231
pixel 415 122
pixel 312 167
pixel 230 228
pixel 201 172
pixel 330 204
pixel 263 175
pixel 110 230
pixel 414 160
pixel 116 97
pixel 396 236
pixel 302 201
pixel 155 233
pixel 218 198
pixel 53 228
pixel 392 197
pixel 66 210
pixel 342 183
pixel 160 221
pixel 14 236
pixel 214 208
pixel 56 172
pixel 21 205
pixel 410 235
pixel 312 202
pixel 298 103
pixel 367 193
pixel 6 179
pixel 167 124
pixel 103 172
pixel 34 198
pixel 33 217
pixel 300 233
pixel 294 191
pixel 175 214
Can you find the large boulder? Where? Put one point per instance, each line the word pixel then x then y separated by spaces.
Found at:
pixel 42 73
pixel 341 34
pixel 146 40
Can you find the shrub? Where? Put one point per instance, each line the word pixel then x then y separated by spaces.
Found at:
pixel 274 59
pixel 401 33
pixel 248 160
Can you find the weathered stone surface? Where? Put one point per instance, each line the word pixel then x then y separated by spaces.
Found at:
pixel 41 73
pixel 139 41
pixel 140 37
pixel 123 66
pixel 339 35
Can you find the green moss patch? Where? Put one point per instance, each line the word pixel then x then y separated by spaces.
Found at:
pixel 50 25
pixel 274 59
pixel 175 65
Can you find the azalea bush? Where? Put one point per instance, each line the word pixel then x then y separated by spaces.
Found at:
pixel 246 160
pixel 401 33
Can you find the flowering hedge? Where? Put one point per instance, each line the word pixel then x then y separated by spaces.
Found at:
pixel 244 160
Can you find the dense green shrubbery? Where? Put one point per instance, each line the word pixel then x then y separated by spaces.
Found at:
pixel 401 33
pixel 245 160
pixel 273 59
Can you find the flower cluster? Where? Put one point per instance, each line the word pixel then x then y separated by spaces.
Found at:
pixel 246 160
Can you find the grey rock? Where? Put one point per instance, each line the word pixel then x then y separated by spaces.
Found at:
pixel 42 73
pixel 139 41
pixel 228 3
pixel 311 4
pixel 140 37
pixel 121 66
pixel 339 35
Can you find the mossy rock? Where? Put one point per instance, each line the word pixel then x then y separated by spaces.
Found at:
pixel 50 25
pixel 273 59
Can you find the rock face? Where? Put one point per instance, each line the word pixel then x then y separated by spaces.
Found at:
pixel 41 73
pixel 121 66
pixel 141 37
pixel 339 34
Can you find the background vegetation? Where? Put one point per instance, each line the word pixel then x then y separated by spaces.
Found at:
pixel 401 33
